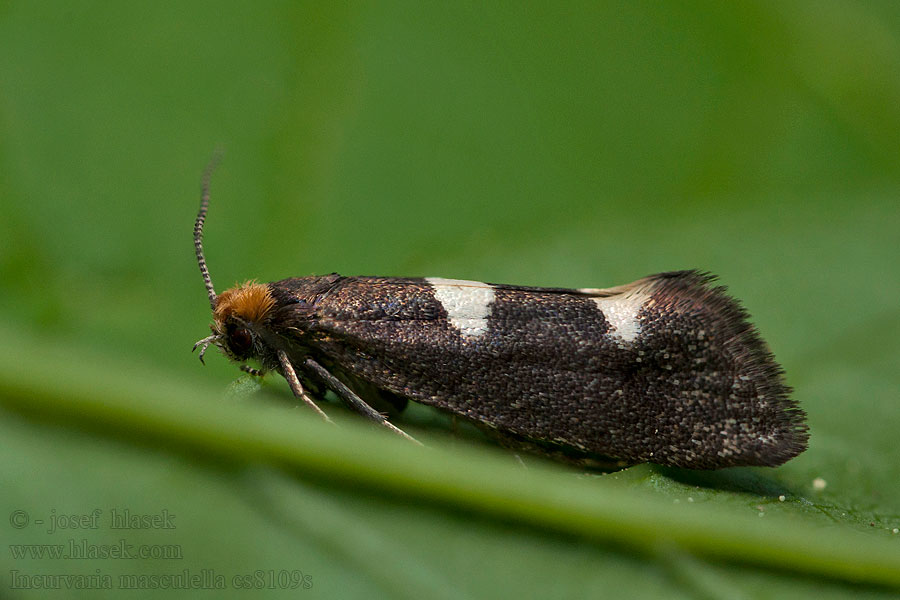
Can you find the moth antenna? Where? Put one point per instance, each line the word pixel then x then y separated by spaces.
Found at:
pixel 198 227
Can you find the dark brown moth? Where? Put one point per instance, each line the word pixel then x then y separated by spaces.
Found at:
pixel 666 369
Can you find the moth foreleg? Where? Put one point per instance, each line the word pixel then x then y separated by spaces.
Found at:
pixel 353 401
pixel 251 371
pixel 296 387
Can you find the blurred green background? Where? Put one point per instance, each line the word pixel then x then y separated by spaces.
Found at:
pixel 556 144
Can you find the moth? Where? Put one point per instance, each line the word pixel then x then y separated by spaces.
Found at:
pixel 666 369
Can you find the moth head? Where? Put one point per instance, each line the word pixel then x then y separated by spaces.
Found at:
pixel 239 311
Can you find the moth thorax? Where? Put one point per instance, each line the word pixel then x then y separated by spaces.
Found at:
pixel 250 302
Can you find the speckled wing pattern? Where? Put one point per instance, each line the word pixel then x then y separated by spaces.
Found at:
pixel 665 370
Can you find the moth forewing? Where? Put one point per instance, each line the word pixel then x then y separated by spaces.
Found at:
pixel 669 372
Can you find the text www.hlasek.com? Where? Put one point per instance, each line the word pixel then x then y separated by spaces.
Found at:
pixel 82 549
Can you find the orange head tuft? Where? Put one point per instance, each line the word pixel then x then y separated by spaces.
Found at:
pixel 249 301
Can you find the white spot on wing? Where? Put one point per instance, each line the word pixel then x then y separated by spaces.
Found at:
pixel 468 303
pixel 621 312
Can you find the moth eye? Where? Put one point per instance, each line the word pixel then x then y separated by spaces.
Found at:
pixel 240 341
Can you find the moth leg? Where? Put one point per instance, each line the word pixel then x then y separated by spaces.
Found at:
pixel 294 382
pixel 352 400
pixel 251 371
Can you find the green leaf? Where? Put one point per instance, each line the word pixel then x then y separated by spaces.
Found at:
pixel 358 501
